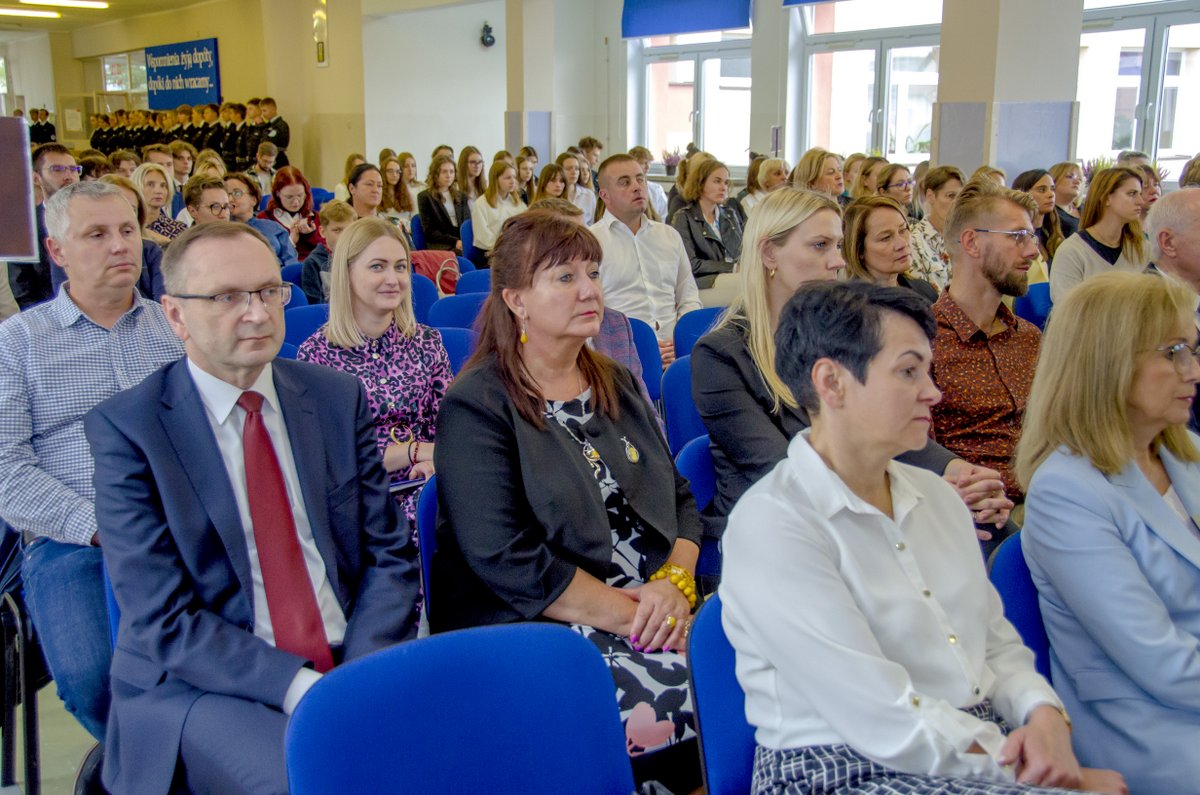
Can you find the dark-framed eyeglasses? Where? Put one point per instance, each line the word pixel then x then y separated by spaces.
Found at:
pixel 217 209
pixel 273 296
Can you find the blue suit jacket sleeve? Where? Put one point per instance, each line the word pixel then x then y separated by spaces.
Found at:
pixel 1083 537
pixel 169 628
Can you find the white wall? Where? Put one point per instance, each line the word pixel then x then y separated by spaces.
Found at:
pixel 30 71
pixel 415 67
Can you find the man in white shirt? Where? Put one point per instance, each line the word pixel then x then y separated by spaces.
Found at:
pixel 645 273
pixel 248 530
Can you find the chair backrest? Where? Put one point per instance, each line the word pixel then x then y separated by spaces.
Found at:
pixel 459 344
pixel 291 273
pixel 694 325
pixel 646 342
pixel 427 532
pixel 466 233
pixel 457 311
pixel 301 322
pixel 726 738
pixel 679 410
pixel 477 281
pixel 287 351
pixel 297 298
pixel 321 197
pixel 424 295
pixel 465 265
pixel 515 708
pixel 1010 575
pixel 417 232
pixel 1035 305
pixel 695 463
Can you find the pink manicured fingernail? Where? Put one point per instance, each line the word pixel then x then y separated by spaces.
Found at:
pixel 633 638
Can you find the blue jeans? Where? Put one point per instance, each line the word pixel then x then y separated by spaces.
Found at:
pixel 64 592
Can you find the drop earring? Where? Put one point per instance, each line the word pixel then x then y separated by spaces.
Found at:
pixel 771 273
pixel 524 338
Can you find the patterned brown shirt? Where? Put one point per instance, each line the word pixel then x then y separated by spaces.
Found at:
pixel 985 384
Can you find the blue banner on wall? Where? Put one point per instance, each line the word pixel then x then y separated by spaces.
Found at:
pixel 183 73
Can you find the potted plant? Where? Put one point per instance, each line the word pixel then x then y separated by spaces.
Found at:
pixel 671 160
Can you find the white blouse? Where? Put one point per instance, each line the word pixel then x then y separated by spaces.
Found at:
pixel 852 627
pixel 585 200
pixel 486 220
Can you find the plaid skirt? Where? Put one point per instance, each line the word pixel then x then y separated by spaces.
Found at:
pixel 840 770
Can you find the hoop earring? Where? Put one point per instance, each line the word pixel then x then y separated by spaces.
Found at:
pixel 524 338
pixel 771 273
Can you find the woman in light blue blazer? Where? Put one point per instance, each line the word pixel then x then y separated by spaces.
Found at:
pixel 1111 536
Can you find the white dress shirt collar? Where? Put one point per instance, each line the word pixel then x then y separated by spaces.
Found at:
pixel 220 397
pixel 830 495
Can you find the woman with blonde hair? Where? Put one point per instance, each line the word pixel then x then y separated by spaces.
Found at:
pixel 471 181
pixel 851 168
pixel 675 198
pixel 1110 235
pixel 867 183
pixel 498 203
pixel 993 173
pixel 821 171
pixel 877 245
pixel 157 188
pixel 1112 477
pixel 1068 190
pixel 373 335
pixel 772 175
pixel 896 182
pixel 210 163
pixel 793 237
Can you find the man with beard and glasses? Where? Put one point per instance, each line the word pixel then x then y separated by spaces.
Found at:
pixel 984 355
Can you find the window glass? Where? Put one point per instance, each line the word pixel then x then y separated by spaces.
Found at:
pixel 841 100
pixel 726 97
pixel 708 37
pixel 116 72
pixel 670 100
pixel 1109 99
pixel 911 94
pixel 1178 122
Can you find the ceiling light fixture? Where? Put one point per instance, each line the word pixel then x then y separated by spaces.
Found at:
pixel 65 3
pixel 22 12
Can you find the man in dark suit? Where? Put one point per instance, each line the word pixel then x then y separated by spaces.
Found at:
pixel 275 130
pixel 248 531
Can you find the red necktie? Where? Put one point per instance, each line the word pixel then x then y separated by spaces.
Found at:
pixel 291 601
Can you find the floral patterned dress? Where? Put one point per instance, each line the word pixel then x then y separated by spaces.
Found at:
pixel 405 379
pixel 930 260
pixel 652 688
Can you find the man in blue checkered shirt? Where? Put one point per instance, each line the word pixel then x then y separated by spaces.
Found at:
pixel 97 337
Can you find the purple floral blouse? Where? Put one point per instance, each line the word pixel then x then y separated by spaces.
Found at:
pixel 405 379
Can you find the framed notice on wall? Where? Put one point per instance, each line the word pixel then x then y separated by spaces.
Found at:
pixel 186 73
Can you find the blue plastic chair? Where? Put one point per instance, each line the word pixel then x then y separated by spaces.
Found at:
pixel 695 463
pixel 297 298
pixel 1035 305
pixel 302 321
pixel 726 738
pixel 1010 575
pixel 417 233
pixel 476 281
pixel 692 326
pixel 424 295
pixel 456 311
pixel 321 197
pixel 646 342
pixel 427 532
pixel 291 273
pixel 679 410
pixel 459 344
pixel 466 233
pixel 465 265
pixel 516 708
pixel 287 351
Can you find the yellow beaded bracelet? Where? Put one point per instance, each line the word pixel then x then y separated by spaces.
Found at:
pixel 681 578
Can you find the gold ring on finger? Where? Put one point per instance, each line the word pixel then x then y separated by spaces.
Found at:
pixel 670 622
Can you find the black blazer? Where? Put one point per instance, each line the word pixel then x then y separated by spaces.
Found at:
pixel 519 510
pixel 708 253
pixel 440 233
pixel 747 438
pixel 919 286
